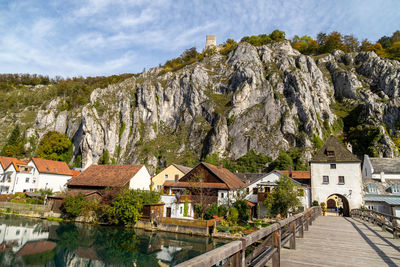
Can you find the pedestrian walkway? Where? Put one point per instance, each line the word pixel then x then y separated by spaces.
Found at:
pixel 343 241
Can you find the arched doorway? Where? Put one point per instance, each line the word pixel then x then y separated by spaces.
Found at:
pixel 338 201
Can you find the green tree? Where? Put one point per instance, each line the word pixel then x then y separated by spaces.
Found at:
pixel 283 198
pixel 233 215
pixel 15 144
pixel 282 162
pixel 243 209
pixel 73 206
pixel 55 146
pixel 126 207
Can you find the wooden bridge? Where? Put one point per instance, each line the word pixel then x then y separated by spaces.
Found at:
pixel 367 238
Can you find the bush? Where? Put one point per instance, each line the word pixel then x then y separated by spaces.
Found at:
pixel 315 203
pixel 222 210
pixel 223 228
pixel 233 215
pixel 243 210
pixel 212 211
pixel 73 206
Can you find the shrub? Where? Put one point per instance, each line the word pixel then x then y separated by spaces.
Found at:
pixel 222 211
pixel 243 210
pixel 233 215
pixel 212 211
pixel 315 203
pixel 126 207
pixel 73 206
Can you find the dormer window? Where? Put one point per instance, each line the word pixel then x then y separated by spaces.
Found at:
pixel 395 188
pixel 330 151
pixel 372 189
pixel 47 169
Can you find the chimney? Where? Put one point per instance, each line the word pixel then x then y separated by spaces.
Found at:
pixel 383 177
pixel 290 171
pixel 349 147
pixel 220 166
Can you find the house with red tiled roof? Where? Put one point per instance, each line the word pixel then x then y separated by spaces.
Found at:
pixel 206 181
pixel 99 177
pixel 21 175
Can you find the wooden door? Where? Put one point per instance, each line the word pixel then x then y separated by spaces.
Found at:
pixel 168 212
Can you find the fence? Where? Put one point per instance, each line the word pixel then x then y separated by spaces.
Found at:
pixel 21 207
pixel 259 247
pixel 386 221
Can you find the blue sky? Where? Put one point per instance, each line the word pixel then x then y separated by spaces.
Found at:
pixel 105 37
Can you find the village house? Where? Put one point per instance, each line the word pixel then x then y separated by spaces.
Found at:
pixel 336 172
pixel 381 183
pixel 97 178
pixel 171 173
pixel 258 186
pixel 31 175
pixel 205 183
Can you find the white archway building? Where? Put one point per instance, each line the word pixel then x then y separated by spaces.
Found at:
pixel 335 170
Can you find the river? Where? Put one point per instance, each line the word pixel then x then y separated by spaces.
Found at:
pixel 27 242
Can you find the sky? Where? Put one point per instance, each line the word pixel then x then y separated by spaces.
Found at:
pixel 106 37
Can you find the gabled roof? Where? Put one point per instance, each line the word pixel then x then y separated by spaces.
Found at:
pixel 341 153
pixel 297 174
pixel 105 176
pixel 182 168
pixel 386 165
pixel 249 178
pixel 6 161
pixel 231 180
pixel 52 166
pixel 195 185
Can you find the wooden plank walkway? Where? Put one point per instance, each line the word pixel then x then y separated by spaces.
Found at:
pixel 339 241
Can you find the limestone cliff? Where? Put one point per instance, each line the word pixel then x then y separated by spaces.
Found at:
pixel 268 98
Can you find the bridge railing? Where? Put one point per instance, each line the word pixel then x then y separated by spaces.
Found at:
pixel 387 222
pixel 259 247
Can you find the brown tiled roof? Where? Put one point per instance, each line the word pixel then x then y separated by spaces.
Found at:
pixel 105 175
pixel 188 185
pixel 298 174
pixel 231 180
pixel 182 168
pixel 35 247
pixel 6 161
pixel 341 153
pixel 87 253
pixel 52 166
pixel 75 173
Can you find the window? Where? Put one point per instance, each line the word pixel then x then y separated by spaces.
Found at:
pixel 395 188
pixel 267 189
pixel 27 180
pixel 372 189
pixel 325 179
pixel 222 195
pixel 34 181
pixel 176 176
pixel 17 232
pixel 341 179
pixel 333 166
pixel 165 176
pixel 180 210
pixel 159 187
pixel 330 153
pixel 255 191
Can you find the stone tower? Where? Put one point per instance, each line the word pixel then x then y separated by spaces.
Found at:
pixel 211 41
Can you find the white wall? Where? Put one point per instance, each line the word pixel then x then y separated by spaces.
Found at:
pixel 141 180
pixel 56 182
pixel 353 181
pixel 177 209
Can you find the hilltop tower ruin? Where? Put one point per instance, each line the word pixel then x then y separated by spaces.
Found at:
pixel 211 41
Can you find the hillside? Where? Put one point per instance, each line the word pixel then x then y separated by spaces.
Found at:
pixel 266 99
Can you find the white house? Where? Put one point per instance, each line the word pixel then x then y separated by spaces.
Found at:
pixel 100 177
pixel 174 206
pixel 336 171
pixel 258 186
pixel 28 176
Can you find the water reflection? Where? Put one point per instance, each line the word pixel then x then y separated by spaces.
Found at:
pixel 42 243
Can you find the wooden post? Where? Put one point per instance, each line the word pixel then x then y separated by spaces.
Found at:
pixel 395 231
pixel 306 222
pixel 375 219
pixel 301 230
pixel 370 217
pixel 383 223
pixel 292 244
pixel 276 258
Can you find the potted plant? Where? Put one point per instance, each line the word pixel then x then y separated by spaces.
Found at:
pixel 323 208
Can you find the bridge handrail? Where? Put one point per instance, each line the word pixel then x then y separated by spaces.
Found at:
pixel 386 221
pixel 271 239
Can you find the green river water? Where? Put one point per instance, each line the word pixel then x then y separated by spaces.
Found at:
pixel 31 242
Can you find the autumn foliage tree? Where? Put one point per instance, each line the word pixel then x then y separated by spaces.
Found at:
pixel 55 146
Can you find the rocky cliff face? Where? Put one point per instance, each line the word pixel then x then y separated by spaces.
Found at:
pixel 269 99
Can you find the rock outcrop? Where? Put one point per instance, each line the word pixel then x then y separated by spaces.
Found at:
pixel 267 99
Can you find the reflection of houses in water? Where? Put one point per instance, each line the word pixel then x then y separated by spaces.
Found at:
pixel 16 236
pixel 36 247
